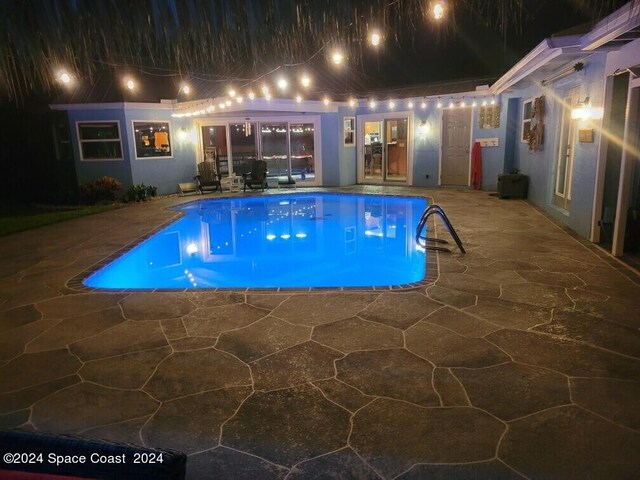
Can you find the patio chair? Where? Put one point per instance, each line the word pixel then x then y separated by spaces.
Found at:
pixel 208 178
pixel 257 176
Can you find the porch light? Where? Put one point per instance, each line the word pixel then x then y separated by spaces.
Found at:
pixel 584 111
pixel 182 135
pixel 192 248
pixel 424 127
pixel 375 39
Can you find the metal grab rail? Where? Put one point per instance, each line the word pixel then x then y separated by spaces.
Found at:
pixel 436 209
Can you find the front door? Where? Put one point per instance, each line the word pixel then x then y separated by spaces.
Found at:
pixel 456 141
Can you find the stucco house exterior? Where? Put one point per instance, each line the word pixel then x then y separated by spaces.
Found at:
pixel 566 116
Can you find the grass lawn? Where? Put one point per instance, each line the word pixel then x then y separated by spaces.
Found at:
pixel 16 218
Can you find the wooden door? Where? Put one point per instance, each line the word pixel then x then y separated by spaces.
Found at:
pixel 456 141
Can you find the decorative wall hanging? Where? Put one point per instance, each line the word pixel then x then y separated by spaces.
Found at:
pixel 489 117
pixel 536 127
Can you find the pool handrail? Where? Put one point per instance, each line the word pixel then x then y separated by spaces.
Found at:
pixel 436 209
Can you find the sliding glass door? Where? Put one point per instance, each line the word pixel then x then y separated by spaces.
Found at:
pixel 290 148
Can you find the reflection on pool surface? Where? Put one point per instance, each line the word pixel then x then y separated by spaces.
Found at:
pixel 294 240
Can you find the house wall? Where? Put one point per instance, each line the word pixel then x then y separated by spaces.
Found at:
pixel 493 157
pixel 426 145
pixel 331 150
pixel 540 166
pixel 164 172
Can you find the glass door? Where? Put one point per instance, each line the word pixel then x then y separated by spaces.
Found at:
pixel 564 165
pixel 275 148
pixel 386 149
pixel 244 149
pixel 214 143
pixel 373 150
pixel 396 149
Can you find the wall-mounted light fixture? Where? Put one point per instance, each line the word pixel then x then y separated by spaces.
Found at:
pixel 584 111
pixel 183 134
pixel 424 127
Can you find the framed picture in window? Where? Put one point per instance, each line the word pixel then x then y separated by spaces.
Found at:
pixel 152 139
pixel 349 131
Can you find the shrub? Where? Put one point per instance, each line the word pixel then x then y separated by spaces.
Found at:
pixel 102 190
pixel 139 193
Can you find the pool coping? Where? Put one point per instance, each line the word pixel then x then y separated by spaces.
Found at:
pixel 431 260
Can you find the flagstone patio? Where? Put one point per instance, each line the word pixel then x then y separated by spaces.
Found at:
pixel 521 361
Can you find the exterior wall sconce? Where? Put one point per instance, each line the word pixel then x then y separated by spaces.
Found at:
pixel 424 127
pixel 584 111
pixel 183 134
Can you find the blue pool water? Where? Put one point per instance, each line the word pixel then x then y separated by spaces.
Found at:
pixel 294 240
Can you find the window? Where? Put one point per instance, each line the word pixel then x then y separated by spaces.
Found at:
pixel 349 133
pixel 99 140
pixel 152 139
pixel 527 115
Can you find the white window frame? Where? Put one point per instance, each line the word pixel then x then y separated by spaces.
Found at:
pixel 524 120
pixel 133 132
pixel 349 126
pixel 80 141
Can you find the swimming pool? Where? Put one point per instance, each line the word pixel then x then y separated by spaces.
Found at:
pixel 278 241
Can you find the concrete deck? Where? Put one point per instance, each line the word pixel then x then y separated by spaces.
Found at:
pixel 521 361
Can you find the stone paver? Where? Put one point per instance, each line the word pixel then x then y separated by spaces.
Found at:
pixel 186 373
pixel 449 349
pixel 304 425
pixel 521 361
pixel 393 436
pixel 570 443
pixel 393 373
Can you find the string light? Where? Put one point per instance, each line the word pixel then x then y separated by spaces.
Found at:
pixel 337 57
pixel 186 89
pixel 352 102
pixel 375 39
pixel 392 104
pixel 438 11
pixel 130 84
pixel 326 101
pixel 410 104
pixel 493 100
pixel 372 103
pixel 282 83
pixel 474 103
pixel 298 99
pixel 251 95
pixel 232 92
pixel 484 102
pixel 439 104
pixel 64 77
pixel 423 105
pixel 305 81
